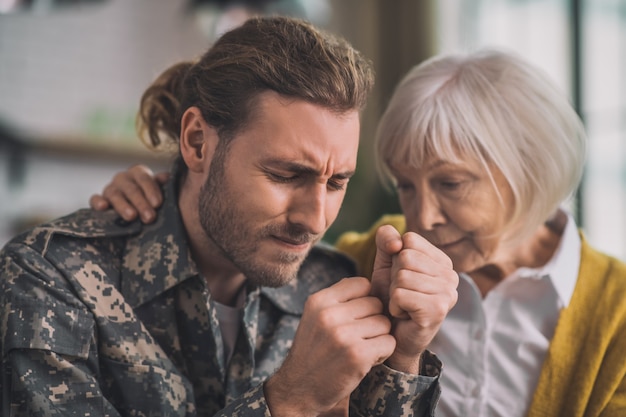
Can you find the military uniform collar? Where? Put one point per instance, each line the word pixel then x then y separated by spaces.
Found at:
pixel 158 257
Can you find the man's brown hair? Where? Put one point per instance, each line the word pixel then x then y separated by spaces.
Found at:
pixel 281 54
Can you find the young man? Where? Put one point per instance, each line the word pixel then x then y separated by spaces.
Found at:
pixel 225 305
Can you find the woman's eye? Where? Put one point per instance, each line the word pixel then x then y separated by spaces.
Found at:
pixel 404 186
pixel 450 185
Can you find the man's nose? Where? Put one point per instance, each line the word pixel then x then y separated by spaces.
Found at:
pixel 308 209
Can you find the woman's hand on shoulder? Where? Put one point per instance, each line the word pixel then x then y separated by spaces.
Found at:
pixel 131 193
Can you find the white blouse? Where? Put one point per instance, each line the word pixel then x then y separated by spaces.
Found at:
pixel 492 349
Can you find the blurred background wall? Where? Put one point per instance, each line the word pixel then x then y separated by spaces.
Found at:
pixel 72 72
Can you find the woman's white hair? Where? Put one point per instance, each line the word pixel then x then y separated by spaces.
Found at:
pixel 494 107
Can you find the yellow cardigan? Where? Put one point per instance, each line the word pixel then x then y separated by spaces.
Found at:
pixel 584 373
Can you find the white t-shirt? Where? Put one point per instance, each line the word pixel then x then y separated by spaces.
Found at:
pixel 230 322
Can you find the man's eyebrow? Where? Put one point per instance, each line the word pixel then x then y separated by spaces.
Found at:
pixel 303 169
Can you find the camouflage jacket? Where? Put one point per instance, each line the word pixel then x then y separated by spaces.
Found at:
pixel 104 318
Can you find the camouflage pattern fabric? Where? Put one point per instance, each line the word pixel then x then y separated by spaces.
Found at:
pixel 100 317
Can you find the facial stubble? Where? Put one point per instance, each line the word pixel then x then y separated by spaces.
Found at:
pixel 223 220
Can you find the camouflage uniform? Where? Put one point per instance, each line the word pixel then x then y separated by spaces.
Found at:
pixel 104 318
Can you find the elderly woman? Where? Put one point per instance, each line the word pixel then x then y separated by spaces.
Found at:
pixel 485 153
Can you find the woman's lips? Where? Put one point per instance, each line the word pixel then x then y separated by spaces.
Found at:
pixel 448 245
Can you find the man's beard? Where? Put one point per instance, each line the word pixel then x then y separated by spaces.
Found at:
pixel 224 223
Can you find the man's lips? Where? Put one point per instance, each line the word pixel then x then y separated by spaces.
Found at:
pixel 295 243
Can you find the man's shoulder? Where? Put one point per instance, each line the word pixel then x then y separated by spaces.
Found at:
pixel 90 223
pixel 81 224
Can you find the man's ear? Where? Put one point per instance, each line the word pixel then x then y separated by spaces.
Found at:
pixel 198 140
